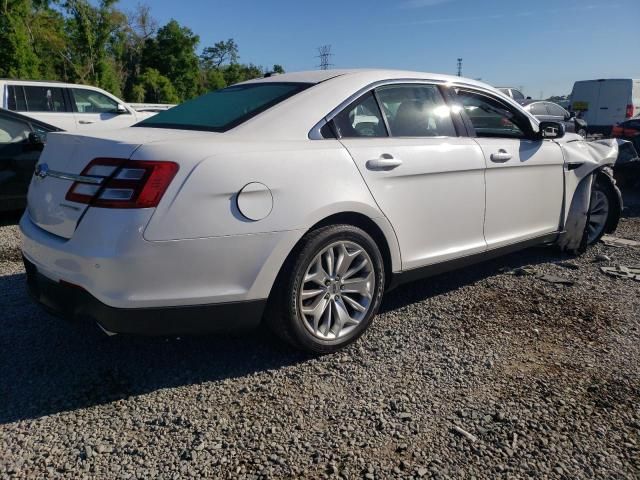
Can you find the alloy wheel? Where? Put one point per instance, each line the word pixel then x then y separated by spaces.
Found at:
pixel 337 290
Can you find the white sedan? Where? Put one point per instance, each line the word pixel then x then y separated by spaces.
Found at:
pixel 299 199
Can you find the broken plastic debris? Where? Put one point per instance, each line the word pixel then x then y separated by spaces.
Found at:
pixel 611 241
pixel 518 271
pixel 623 272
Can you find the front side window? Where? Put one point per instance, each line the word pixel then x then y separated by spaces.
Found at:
pixel 491 118
pixel 44 99
pixel 223 109
pixel 361 119
pixel 90 101
pixel 416 111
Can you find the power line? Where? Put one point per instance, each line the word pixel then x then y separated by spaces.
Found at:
pixel 324 54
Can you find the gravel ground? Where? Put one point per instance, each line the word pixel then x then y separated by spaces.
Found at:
pixel 474 374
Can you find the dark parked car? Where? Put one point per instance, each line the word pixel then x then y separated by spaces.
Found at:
pixel 552 112
pixel 21 141
pixel 628 130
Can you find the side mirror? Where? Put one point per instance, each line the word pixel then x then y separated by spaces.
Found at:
pixel 36 139
pixel 551 130
pixel 572 114
pixel 121 109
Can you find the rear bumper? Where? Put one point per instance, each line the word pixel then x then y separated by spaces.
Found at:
pixel 74 303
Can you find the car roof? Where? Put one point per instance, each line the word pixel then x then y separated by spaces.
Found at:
pixel 25 118
pixel 371 75
pixel 57 83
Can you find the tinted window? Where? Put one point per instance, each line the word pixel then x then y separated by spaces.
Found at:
pixel 416 111
pixel 517 94
pixel 16 99
pixel 361 119
pixel 556 110
pixel 537 109
pixel 226 108
pixel 12 130
pixel 90 101
pixel 491 118
pixel 44 99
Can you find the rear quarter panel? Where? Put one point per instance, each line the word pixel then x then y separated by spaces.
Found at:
pixel 308 180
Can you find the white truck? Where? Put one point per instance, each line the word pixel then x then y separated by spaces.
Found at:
pixel 605 102
pixel 70 106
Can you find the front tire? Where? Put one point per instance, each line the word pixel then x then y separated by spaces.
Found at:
pixel 329 290
pixel 601 207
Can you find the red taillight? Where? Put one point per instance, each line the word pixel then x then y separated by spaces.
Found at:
pixel 629 112
pixel 617 131
pixel 120 183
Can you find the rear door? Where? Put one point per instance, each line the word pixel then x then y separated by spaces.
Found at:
pixel 428 181
pixel 613 99
pixel 524 175
pixel 584 100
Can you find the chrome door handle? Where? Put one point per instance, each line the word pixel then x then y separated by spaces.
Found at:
pixel 384 162
pixel 84 122
pixel 501 156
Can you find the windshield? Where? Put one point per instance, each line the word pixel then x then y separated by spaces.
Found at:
pixel 224 109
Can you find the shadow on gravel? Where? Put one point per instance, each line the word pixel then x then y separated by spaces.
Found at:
pixel 49 366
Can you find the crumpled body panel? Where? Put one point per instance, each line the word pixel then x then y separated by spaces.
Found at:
pixel 583 160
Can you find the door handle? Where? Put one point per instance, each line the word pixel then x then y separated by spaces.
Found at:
pixel 84 122
pixel 384 162
pixel 500 156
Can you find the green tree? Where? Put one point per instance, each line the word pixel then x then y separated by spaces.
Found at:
pixel 152 87
pixel 92 33
pixel 18 58
pixel 172 54
pixel 221 53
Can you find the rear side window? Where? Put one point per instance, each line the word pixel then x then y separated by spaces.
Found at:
pixel 416 111
pixel 361 119
pixel 90 101
pixel 517 94
pixel 538 109
pixel 16 99
pixel 221 110
pixel 44 99
pixel 556 110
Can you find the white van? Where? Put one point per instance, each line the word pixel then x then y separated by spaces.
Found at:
pixel 605 102
pixel 68 106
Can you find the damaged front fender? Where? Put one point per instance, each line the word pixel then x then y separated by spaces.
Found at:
pixel 585 163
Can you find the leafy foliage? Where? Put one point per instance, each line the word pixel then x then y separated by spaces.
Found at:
pixel 93 42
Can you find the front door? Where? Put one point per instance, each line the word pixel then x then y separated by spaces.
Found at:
pixel 524 176
pixel 94 108
pixel 427 181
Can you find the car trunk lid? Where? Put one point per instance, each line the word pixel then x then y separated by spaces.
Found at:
pixel 64 159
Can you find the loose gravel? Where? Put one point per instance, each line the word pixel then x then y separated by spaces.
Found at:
pixel 489 372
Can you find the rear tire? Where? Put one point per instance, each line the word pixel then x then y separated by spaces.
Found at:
pixel 329 289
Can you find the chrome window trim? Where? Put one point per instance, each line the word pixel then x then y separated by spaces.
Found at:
pixel 314 133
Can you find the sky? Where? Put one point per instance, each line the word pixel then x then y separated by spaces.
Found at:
pixel 542 46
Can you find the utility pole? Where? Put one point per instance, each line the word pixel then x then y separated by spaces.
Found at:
pixel 324 53
pixel 459 67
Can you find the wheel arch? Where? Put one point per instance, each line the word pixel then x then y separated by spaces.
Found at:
pixel 378 228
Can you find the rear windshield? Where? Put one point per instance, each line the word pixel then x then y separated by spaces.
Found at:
pixel 221 110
